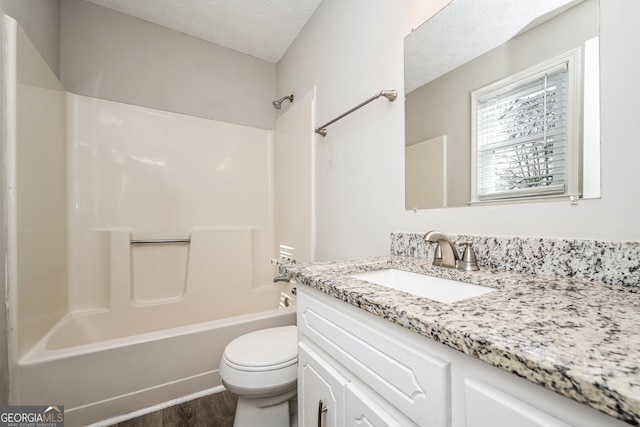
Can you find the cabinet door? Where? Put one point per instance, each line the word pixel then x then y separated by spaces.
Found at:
pixel 321 391
pixel 486 406
pixel 363 410
pixel 380 355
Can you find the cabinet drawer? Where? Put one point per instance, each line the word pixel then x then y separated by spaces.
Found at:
pixel 362 410
pixel 415 382
pixel 486 406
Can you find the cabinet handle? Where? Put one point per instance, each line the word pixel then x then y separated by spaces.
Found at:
pixel 321 410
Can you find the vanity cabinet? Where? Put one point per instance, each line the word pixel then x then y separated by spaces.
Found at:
pixel 357 369
pixel 367 376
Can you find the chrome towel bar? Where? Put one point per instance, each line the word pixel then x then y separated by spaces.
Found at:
pixel 391 95
pixel 158 241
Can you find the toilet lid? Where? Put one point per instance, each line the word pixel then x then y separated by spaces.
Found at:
pixel 263 348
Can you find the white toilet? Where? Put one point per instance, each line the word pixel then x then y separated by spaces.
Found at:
pixel 261 368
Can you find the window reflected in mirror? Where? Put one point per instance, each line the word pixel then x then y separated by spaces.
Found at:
pixel 442 167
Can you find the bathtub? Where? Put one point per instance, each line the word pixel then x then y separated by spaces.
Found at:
pixel 96 376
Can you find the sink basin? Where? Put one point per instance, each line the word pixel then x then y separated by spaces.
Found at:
pixel 435 288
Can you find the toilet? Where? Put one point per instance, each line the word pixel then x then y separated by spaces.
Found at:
pixel 261 369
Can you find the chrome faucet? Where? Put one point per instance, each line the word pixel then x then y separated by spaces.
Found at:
pixel 446 253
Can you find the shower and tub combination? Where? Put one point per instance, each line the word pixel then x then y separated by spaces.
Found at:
pixel 139 241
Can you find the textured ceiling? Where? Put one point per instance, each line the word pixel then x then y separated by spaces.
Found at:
pixel 261 28
pixel 465 29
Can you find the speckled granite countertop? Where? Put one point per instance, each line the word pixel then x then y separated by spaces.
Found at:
pixel 575 338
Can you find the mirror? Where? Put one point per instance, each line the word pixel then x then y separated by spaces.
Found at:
pixel 469 45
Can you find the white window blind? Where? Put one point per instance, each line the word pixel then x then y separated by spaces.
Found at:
pixel 521 136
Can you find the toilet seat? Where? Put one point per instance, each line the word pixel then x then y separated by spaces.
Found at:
pixel 263 350
pixel 240 367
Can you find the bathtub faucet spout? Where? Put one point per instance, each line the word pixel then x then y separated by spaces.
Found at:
pixel 281 279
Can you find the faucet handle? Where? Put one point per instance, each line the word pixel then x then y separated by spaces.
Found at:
pixel 468 262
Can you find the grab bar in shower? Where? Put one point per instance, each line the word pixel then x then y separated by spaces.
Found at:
pixel 391 95
pixel 158 241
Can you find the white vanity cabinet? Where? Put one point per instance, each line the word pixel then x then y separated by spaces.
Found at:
pixel 363 375
pixel 357 369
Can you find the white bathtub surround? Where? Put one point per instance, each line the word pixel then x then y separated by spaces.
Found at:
pixel 196 298
pixel 151 320
pixel 293 172
pixel 575 337
pixel 160 175
pixel 108 378
pixel 37 188
pixel 105 326
pixel 148 322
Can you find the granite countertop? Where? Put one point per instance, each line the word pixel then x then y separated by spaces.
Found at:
pixel 579 339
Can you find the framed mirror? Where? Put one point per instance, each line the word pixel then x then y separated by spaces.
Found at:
pixel 470 46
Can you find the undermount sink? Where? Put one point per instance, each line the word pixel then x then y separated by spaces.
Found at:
pixel 435 288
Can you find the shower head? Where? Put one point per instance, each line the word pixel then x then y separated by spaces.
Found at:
pixel 278 102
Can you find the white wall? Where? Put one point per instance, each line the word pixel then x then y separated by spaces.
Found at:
pixel 351 50
pixel 109 55
pixel 40 19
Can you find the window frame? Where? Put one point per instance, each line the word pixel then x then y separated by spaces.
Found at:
pixel 573 61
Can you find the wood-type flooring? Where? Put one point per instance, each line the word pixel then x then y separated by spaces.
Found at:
pixel 216 410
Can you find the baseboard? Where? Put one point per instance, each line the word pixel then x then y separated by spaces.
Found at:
pixel 142 402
